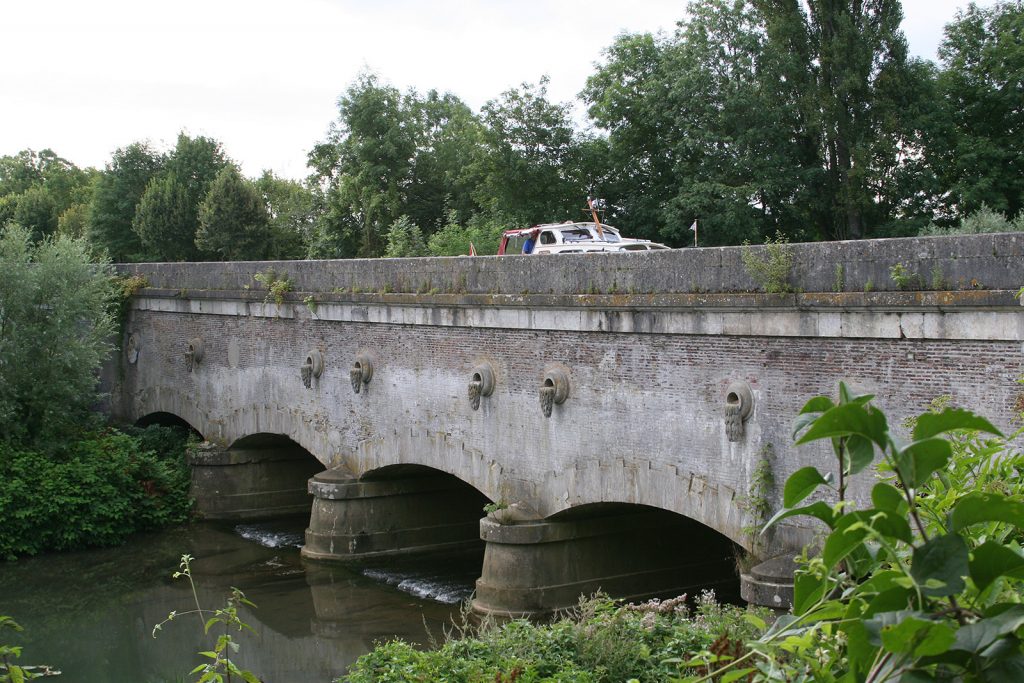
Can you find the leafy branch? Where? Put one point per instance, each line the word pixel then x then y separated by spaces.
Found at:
pixel 926 583
pixel 220 668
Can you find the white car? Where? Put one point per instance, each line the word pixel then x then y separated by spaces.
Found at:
pixel 570 238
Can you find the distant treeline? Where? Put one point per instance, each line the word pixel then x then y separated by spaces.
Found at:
pixel 756 117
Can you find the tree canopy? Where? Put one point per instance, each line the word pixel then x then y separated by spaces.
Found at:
pixel 800 118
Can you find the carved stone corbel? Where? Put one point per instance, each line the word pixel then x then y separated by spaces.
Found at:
pixel 554 389
pixel 481 384
pixel 312 368
pixel 739 404
pixel 194 353
pixel 361 372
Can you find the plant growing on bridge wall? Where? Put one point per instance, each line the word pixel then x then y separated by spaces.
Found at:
pixel 757 503
pixel 926 583
pixel 903 277
pixel 276 284
pixel 773 269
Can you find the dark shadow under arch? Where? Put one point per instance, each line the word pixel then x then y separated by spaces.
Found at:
pixel 164 419
pixel 705 558
pixel 259 476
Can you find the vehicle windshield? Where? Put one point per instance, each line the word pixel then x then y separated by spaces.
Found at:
pixel 582 233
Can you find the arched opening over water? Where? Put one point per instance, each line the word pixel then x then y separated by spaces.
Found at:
pixel 629 552
pixel 411 526
pixel 665 553
pixel 258 477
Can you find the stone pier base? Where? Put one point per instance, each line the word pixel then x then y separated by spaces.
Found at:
pixel 357 520
pixel 770 584
pixel 536 568
pixel 241 484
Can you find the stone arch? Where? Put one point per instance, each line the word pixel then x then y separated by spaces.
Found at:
pixel 438 452
pixel 692 495
pixel 628 551
pixel 259 476
pixel 242 422
pixel 668 533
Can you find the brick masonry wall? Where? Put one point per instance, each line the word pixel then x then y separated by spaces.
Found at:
pixel 643 422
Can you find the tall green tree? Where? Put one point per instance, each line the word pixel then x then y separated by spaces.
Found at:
pixel 391 154
pixel 55 326
pixel 233 220
pixel 629 97
pixel 116 196
pixel 697 131
pixel 36 210
pixel 365 165
pixel 531 165
pixel 291 209
pixel 739 173
pixel 167 216
pixel 845 62
pixel 37 187
pixel 978 148
pixel 166 220
pixel 448 138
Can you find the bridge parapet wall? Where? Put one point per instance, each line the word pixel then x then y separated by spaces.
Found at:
pixel 991 262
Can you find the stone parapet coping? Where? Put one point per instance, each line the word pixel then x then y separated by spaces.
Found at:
pixel 963 262
pixel 964 315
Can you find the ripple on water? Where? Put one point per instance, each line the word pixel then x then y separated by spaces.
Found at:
pixel 268 537
pixel 444 589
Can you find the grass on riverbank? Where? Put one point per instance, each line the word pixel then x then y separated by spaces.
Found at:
pixel 599 642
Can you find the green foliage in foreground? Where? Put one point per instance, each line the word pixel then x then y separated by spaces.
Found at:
pixel 926 583
pixel 9 671
pixel 600 642
pixel 95 491
pixel 219 668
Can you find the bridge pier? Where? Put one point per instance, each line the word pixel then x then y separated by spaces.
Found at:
pixel 356 520
pixel 261 481
pixel 536 568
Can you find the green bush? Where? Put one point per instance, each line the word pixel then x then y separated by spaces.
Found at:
pixel 483 231
pixel 405 239
pixel 984 220
pixel 94 491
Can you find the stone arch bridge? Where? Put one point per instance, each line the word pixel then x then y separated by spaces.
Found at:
pixel 613 411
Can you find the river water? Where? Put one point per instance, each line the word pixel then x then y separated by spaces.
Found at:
pixel 90 614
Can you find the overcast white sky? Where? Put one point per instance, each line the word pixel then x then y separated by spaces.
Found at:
pixel 263 76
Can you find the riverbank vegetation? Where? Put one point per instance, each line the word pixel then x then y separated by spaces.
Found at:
pixel 753 118
pixel 925 582
pixel 69 481
pixel 599 642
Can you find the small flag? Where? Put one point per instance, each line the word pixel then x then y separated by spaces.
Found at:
pixel 472 249
pixel 693 228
